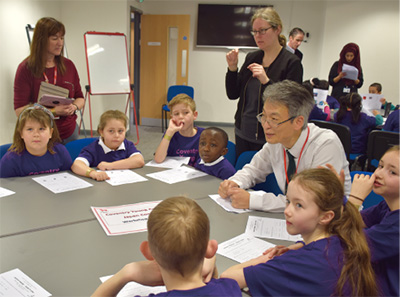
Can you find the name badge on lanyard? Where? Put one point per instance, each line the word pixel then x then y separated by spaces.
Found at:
pixel 346 90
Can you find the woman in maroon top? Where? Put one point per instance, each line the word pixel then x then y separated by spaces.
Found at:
pixel 47 63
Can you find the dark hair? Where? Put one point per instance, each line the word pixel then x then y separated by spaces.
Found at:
pixel 323 84
pixel 221 132
pixel 295 97
pixel 295 31
pixel 378 86
pixel 350 101
pixel 44 28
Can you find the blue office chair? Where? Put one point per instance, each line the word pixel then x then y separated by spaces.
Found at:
pixel 4 148
pixel 269 185
pixel 172 92
pixel 231 154
pixel 74 147
pixel 372 198
pixel 244 158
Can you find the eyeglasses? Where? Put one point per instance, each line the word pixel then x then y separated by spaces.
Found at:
pixel 273 124
pixel 261 31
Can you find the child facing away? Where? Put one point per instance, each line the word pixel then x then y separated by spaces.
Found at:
pixel 359 123
pixel 182 137
pixel 335 259
pixel 36 147
pixel 178 243
pixel 212 149
pixel 111 151
pixel 382 220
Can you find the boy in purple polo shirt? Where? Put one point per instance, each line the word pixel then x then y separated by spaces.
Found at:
pixel 182 137
pixel 111 151
pixel 180 255
pixel 212 149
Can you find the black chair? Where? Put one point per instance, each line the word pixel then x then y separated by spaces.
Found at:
pixel 342 131
pixel 378 143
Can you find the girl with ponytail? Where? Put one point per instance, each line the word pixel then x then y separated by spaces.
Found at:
pixel 359 123
pixel 335 259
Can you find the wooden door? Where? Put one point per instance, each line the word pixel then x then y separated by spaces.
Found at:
pixel 162 37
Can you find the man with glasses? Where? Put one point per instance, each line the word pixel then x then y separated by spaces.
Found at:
pixel 292 145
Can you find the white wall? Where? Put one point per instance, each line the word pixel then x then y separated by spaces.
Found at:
pixel 374 25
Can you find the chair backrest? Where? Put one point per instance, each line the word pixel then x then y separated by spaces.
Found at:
pixel 179 89
pixel 378 143
pixel 74 147
pixel 372 198
pixel 231 154
pixel 244 158
pixel 342 131
pixel 4 148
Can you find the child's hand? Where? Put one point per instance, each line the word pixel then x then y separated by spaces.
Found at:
pixel 174 127
pixel 209 269
pixel 99 175
pixel 362 185
pixel 276 251
pixel 104 166
pixel 224 186
pixel 144 272
pixel 239 198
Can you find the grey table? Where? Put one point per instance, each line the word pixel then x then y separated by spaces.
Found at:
pixel 34 207
pixel 56 240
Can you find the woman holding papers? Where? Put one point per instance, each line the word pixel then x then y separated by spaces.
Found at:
pixel 46 71
pixel 335 259
pixel 346 82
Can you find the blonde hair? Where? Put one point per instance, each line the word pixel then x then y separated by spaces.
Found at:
pixel 178 234
pixel 182 99
pixel 272 17
pixel 38 115
pixel 112 114
pixel 347 224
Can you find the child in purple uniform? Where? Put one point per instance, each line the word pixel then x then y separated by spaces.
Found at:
pixel 36 148
pixel 111 151
pixel 182 137
pixel 382 220
pixel 359 123
pixel 179 252
pixel 335 258
pixel 212 149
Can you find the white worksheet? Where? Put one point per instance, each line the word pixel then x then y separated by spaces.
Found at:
pixel 177 175
pixel 121 177
pixel 320 97
pixel 136 289
pixel 16 283
pixel 124 219
pixel 61 182
pixel 269 228
pixel 371 101
pixel 226 204
pixel 351 71
pixel 170 162
pixel 5 192
pixel 243 247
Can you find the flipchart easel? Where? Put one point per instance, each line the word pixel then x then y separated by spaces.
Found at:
pixel 108 69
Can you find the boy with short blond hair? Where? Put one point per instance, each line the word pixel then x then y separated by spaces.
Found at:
pixel 212 149
pixel 185 143
pixel 178 242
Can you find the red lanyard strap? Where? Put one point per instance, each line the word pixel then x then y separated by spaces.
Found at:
pixel 55 76
pixel 301 152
